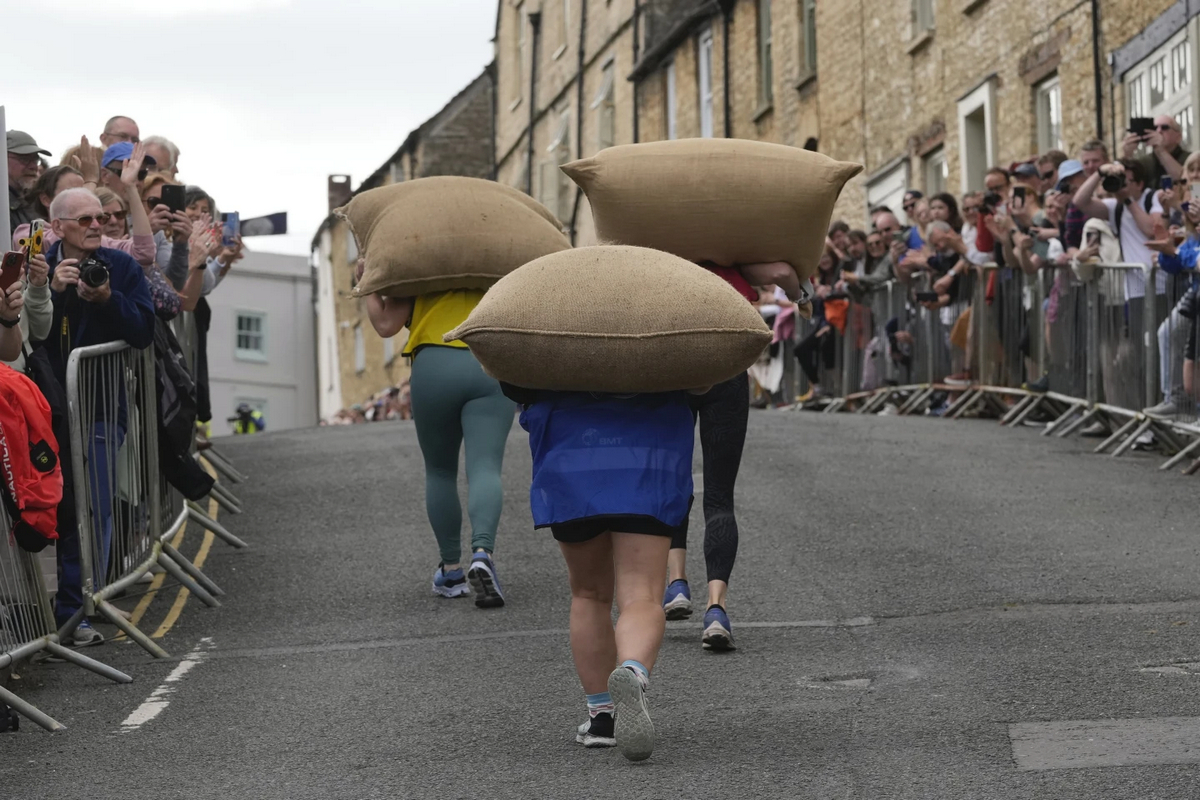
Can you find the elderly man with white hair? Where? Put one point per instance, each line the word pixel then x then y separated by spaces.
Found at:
pixel 165 154
pixel 99 295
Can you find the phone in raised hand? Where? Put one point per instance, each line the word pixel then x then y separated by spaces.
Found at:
pixel 230 227
pixel 10 270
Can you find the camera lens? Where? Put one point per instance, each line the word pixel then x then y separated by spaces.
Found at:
pixel 93 273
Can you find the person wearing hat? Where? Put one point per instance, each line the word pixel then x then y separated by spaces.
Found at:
pixel 24 155
pixel 1026 174
pixel 113 162
pixel 1070 177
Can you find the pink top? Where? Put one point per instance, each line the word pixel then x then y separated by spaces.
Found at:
pixel 142 248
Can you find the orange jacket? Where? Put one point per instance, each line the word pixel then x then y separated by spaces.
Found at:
pixel 32 478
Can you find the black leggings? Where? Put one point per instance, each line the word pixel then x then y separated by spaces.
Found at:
pixel 812 350
pixel 723 414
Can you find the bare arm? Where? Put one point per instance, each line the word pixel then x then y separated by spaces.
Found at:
pixel 1086 202
pixel 389 315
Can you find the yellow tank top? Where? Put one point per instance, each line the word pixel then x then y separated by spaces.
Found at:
pixel 436 314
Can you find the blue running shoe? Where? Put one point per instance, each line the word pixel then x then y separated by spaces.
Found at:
pixel 482 575
pixel 718 633
pixel 449 584
pixel 677 602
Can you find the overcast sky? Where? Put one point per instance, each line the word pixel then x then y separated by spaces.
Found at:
pixel 265 98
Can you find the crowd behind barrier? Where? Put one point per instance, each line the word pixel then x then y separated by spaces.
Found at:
pixel 104 402
pixel 1062 295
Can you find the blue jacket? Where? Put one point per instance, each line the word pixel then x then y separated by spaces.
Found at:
pixel 1184 259
pixel 127 316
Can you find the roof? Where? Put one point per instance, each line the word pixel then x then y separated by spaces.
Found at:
pixel 675 35
pixel 408 145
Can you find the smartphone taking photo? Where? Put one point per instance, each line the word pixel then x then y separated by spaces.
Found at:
pixel 1141 126
pixel 173 197
pixel 230 227
pixel 10 270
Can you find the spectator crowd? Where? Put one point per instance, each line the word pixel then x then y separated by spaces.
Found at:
pixel 115 246
pixel 1051 219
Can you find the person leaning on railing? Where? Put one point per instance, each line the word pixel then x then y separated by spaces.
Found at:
pixel 99 295
pixel 1184 319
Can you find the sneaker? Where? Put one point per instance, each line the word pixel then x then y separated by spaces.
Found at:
pixel 1097 430
pixel 677 602
pixel 718 633
pixel 84 636
pixel 449 584
pixel 1167 408
pixel 597 732
pixel 889 410
pixel 1040 386
pixel 962 379
pixel 482 576
pixel 633 729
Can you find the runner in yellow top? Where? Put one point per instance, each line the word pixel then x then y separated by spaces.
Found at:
pixel 453 402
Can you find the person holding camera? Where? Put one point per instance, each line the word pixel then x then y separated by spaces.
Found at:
pixel 98 295
pixel 1132 211
pixel 1164 142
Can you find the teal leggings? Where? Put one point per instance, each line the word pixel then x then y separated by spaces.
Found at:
pixel 454 401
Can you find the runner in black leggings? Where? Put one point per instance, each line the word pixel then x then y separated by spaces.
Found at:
pixel 723 413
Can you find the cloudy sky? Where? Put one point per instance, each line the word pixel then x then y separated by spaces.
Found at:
pixel 265 98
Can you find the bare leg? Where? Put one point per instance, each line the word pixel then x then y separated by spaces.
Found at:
pixel 593 642
pixel 639 563
pixel 716 593
pixel 677 564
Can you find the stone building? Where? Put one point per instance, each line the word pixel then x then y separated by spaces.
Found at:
pixel 923 93
pixel 353 362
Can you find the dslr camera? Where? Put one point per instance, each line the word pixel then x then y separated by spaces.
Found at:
pixel 991 200
pixel 93 272
pixel 1113 183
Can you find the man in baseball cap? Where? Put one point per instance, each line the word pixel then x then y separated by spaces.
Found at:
pixel 113 161
pixel 24 155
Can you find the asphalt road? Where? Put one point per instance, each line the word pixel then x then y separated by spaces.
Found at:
pixel 919 605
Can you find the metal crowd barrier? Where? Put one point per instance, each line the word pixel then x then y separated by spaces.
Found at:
pixel 27 625
pixel 126 512
pixel 1086 344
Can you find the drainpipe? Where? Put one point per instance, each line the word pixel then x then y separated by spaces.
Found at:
pixel 535 22
pixel 727 6
pixel 1096 63
pixel 492 78
pixel 579 110
pixel 637 22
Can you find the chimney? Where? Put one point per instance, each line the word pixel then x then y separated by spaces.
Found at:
pixel 339 191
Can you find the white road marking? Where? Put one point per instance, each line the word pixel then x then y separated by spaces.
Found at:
pixel 159 699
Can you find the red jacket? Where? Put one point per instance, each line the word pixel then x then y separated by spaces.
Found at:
pixel 32 477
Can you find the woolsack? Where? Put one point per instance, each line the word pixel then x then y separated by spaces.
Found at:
pixel 728 201
pixel 442 233
pixel 613 319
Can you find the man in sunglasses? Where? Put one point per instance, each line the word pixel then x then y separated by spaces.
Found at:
pixel 98 295
pixel 112 164
pixel 1165 143
pixel 23 157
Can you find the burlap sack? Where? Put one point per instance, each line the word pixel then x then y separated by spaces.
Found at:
pixel 728 201
pixel 613 319
pixel 436 234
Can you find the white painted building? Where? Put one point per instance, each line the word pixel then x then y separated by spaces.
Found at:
pixel 261 344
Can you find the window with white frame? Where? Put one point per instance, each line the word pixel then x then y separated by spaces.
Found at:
pixel 672 119
pixel 976 135
pixel 360 349
pixel 396 169
pixel 936 171
pixel 922 17
pixel 605 105
pixel 553 184
pixel 808 38
pixel 1161 84
pixel 766 78
pixel 887 188
pixel 250 343
pixel 1048 96
pixel 706 84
